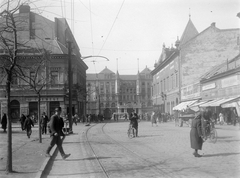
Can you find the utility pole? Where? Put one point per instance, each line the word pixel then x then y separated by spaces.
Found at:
pixel 70 85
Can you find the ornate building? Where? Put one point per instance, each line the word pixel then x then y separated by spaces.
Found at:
pixel 108 92
pixel 39 34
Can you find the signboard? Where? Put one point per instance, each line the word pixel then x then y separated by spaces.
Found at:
pixel 230 81
pixel 190 91
pixel 208 86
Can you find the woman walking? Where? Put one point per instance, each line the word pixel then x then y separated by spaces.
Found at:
pixel 4 122
pixel 28 125
pixel 196 136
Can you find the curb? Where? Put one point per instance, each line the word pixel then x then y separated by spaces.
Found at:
pixel 53 152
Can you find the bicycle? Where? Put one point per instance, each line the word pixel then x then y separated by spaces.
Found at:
pixel 131 131
pixel 210 132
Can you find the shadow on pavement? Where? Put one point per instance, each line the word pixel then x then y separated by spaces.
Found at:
pixel 90 158
pixel 220 154
pixel 149 136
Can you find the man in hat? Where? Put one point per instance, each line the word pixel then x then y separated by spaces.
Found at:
pixel 56 126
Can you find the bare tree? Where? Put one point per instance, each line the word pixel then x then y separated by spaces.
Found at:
pixel 34 75
pixel 11 26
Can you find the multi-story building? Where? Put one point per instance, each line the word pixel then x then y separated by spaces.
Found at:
pixel 201 52
pixel 221 86
pixel 109 92
pixel 165 88
pixel 39 34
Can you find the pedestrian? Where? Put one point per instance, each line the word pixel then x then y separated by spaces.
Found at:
pixel 196 136
pixel 22 120
pixel 43 122
pixel 4 122
pixel 56 125
pixel 221 118
pixel 28 125
pixel 75 119
pixel 153 119
pixel 134 123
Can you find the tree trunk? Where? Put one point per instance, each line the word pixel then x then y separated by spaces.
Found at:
pixel 39 119
pixel 9 127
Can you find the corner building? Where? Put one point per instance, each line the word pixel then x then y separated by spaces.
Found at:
pixel 43 34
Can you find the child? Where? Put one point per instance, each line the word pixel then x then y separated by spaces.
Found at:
pixel 28 125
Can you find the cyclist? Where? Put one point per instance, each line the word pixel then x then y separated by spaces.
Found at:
pixel 134 123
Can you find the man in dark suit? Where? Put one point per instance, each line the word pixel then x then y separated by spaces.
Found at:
pixel 56 133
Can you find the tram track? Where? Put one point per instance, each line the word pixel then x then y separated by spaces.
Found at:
pixel 144 163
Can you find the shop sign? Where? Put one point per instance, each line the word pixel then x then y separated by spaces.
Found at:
pixel 44 99
pixel 208 86
pixel 230 81
pixel 190 91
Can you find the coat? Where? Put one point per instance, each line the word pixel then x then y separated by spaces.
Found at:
pixel 196 133
pixel 4 121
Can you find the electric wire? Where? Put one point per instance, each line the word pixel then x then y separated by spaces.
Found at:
pixel 111 27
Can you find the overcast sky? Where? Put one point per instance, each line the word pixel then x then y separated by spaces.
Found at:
pixel 128 30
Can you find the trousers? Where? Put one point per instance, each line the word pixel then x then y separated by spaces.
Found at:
pixel 56 140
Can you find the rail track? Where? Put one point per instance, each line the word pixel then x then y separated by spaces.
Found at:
pixel 150 166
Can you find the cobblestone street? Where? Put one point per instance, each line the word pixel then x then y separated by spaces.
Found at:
pixel 165 148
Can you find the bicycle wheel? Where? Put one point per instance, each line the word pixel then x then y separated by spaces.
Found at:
pixel 130 133
pixel 213 135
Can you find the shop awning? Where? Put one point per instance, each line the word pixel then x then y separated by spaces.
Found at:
pixel 217 102
pixel 184 105
pixel 195 106
pixel 207 104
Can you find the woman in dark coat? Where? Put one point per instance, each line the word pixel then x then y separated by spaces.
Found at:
pixel 134 122
pixel 196 135
pixel 4 122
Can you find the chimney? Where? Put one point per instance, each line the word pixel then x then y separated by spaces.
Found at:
pixel 24 9
pixel 213 24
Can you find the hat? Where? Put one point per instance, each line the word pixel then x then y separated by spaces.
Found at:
pixel 58 109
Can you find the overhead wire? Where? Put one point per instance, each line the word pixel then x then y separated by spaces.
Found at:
pixel 111 27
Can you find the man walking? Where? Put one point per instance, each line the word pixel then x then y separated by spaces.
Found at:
pixel 44 122
pixel 56 133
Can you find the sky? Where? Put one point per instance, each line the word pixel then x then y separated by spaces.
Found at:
pixel 131 33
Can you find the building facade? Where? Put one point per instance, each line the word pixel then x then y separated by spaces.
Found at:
pixel 221 86
pixel 109 92
pixel 202 52
pixel 40 34
pixel 165 88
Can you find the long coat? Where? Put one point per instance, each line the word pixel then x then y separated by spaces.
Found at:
pixel 4 121
pixel 196 133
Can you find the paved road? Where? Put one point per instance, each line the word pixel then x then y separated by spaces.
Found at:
pixel 162 151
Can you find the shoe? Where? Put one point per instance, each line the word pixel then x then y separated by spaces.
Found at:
pixel 47 155
pixel 66 156
pixel 198 155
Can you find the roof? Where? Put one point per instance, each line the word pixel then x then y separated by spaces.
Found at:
pixel 222 68
pixel 189 32
pixel 106 71
pixel 146 71
pixel 128 77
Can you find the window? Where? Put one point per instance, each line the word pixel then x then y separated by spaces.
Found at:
pixel 164 85
pixel 2 75
pixel 54 77
pixel 167 87
pixel 14 80
pixel 176 80
pixel 32 75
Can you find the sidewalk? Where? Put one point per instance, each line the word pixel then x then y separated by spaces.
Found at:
pixel 28 155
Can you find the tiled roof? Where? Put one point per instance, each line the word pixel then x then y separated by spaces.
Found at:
pixel 128 77
pixel 224 67
pixel 145 71
pixel 106 71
